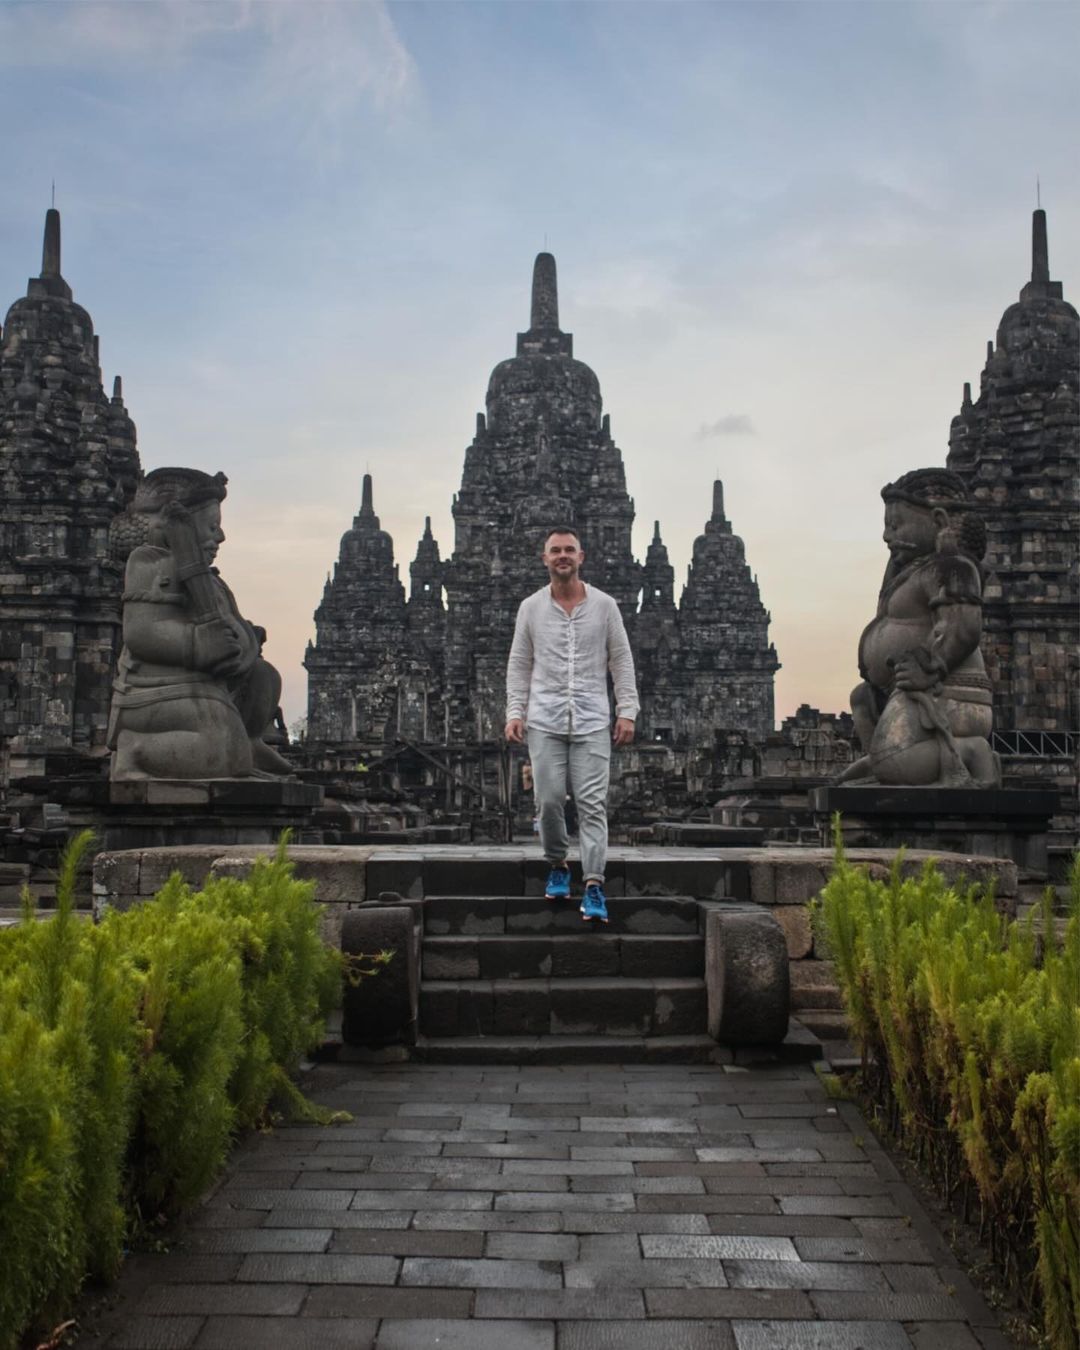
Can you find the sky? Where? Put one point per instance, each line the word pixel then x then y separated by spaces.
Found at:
pixel 784 233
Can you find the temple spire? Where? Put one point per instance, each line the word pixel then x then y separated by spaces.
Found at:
pixel 1040 254
pixel 656 532
pixel 545 293
pixel 366 506
pixel 718 500
pixel 50 250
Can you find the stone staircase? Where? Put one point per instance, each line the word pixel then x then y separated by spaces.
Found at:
pixel 518 980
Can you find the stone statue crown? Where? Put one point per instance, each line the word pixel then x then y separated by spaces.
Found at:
pixel 178 487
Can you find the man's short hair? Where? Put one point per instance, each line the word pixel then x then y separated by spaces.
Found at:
pixel 562 529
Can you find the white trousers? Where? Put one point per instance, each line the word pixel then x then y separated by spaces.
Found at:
pixel 579 765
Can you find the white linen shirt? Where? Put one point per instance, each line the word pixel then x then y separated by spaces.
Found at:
pixel 556 677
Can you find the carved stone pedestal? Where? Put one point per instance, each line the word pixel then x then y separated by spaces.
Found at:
pixel 993 823
pixel 166 812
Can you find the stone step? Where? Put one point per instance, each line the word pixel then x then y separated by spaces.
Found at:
pixel 449 915
pixel 559 956
pixel 584 1007
pixel 826 1024
pixel 799 1047
pixel 571 1050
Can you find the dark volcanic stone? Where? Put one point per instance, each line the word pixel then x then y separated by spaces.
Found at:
pixel 746 971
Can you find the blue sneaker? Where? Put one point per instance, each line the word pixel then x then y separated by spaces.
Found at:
pixel 594 905
pixel 558 883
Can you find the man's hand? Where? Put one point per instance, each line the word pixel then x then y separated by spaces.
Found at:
pixel 624 731
pixel 515 730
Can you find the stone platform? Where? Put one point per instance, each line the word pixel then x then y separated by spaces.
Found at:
pixel 649 1208
pixel 160 812
pixel 996 822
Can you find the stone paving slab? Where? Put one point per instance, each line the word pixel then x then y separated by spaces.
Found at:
pixel 585 1207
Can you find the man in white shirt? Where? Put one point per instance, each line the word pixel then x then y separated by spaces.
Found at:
pixel 566 638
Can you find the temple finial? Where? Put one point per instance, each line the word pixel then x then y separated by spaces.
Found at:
pixel 1040 254
pixel 656 532
pixel 427 527
pixel 50 250
pixel 545 293
pixel 118 390
pixel 366 506
pixel 718 500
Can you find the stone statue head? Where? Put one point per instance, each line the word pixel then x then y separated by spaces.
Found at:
pixel 165 491
pixel 926 512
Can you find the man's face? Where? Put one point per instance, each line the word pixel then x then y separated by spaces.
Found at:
pixel 910 531
pixel 562 557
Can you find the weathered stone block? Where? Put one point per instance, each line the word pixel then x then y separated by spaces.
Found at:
pixel 472 876
pixel 439 1009
pixel 797 883
pixel 662 955
pixel 615 1008
pixel 116 873
pixel 381 1009
pixel 813 985
pixel 656 916
pixel 403 875
pixel 193 861
pixel 585 955
pixel 795 922
pixel 521 1009
pixel 746 974
pixel 476 1010
pixel 700 878
pixel 680 1008
pixel 446 915
pixel 515 958
pixel 762 883
pixel 451 959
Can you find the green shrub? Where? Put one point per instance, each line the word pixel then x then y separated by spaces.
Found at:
pixel 130 1052
pixel 67 1042
pixel 970 1030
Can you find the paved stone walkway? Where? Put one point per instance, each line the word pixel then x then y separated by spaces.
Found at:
pixel 577 1208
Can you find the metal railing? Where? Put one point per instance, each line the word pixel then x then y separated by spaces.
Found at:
pixel 1036 744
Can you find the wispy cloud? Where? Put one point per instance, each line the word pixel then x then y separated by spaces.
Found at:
pixel 94 35
pixel 321 59
pixel 731 424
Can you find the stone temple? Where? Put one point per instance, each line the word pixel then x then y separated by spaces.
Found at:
pixel 385 669
pixel 1018 448
pixel 68 465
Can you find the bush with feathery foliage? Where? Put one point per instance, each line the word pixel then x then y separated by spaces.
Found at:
pixel 970 1030
pixel 131 1051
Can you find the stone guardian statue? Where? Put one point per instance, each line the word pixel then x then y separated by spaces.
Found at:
pixel 923 710
pixel 193 697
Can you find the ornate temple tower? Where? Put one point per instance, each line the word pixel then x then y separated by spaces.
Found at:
pixel 543 456
pixel 68 465
pixel 1018 448
pixel 354 663
pixel 728 661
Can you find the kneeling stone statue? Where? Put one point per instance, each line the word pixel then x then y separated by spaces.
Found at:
pixel 923 711
pixel 193 697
